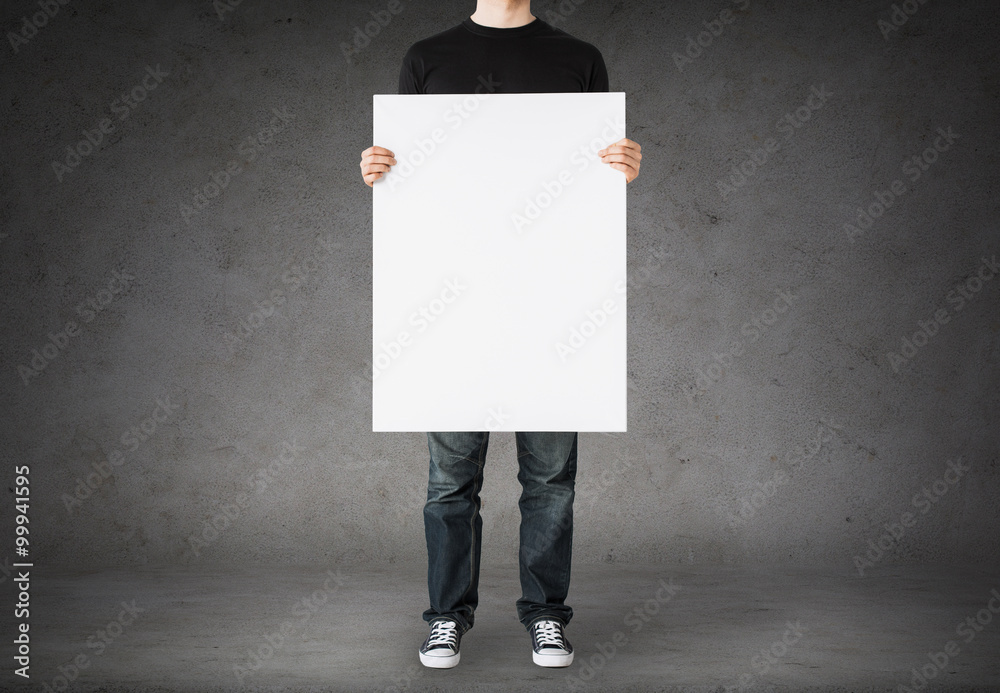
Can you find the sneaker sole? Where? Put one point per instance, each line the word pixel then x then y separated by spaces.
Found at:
pixel 552 660
pixel 437 662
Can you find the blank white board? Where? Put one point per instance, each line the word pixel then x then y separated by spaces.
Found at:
pixel 499 264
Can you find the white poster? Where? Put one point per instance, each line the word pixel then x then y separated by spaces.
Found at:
pixel 499 264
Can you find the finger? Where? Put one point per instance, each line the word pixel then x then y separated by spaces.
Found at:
pixel 614 149
pixel 375 168
pixel 626 159
pixel 618 156
pixel 631 144
pixel 626 168
pixel 367 161
pixel 626 143
pixel 376 150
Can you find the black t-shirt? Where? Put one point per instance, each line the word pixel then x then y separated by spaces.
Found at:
pixel 534 58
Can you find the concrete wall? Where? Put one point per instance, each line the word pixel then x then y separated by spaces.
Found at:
pixel 796 438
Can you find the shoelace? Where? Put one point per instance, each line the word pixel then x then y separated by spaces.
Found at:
pixel 548 633
pixel 443 633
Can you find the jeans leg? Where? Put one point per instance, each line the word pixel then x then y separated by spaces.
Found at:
pixel 547 472
pixel 453 525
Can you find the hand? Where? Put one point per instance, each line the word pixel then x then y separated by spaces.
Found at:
pixel 623 155
pixel 375 162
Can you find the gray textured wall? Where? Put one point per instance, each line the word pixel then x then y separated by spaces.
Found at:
pixel 199 396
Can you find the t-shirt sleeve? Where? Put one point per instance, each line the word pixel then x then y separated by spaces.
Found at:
pixel 411 74
pixel 599 74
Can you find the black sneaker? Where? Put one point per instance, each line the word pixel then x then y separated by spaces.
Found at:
pixel 550 648
pixel 440 649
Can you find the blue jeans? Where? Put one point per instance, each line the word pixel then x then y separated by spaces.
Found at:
pixel 453 525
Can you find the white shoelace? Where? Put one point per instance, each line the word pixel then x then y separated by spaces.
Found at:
pixel 443 633
pixel 547 633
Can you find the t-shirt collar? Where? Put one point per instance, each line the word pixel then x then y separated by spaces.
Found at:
pixel 498 32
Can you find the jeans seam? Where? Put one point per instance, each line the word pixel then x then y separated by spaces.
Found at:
pixel 477 480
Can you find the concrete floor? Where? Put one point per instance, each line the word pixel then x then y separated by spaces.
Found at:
pixel 690 628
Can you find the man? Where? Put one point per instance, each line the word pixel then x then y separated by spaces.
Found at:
pixel 508 48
